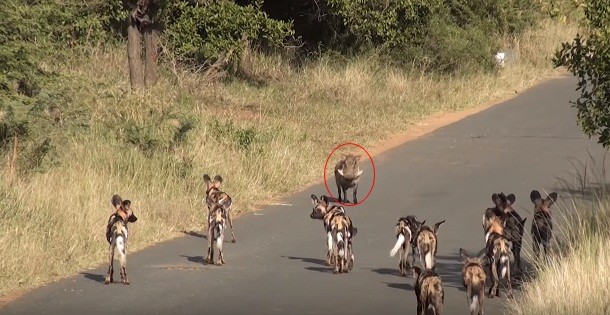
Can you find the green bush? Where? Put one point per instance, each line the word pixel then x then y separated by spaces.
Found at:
pixel 202 32
pixel 588 57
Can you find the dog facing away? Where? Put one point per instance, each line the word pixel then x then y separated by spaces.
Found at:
pixel 428 291
pixel 500 254
pixel 340 226
pixel 217 224
pixel 514 225
pixel 347 175
pixel 497 210
pixel 404 237
pixel 474 278
pixel 214 195
pixel 415 226
pixel 427 244
pixel 116 235
pixel 324 209
pixel 542 224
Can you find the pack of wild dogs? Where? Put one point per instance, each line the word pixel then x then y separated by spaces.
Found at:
pixel 499 260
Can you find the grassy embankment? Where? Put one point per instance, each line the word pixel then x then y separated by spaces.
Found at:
pixel 576 278
pixel 266 141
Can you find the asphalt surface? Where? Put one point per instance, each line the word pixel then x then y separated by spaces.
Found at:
pixel 276 266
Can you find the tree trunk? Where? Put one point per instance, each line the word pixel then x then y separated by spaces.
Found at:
pixel 134 56
pixel 151 37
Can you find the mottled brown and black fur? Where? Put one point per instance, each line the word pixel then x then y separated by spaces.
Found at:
pixel 326 209
pixel 500 255
pixel 116 235
pixel 474 279
pixel 404 236
pixel 347 175
pixel 514 225
pixel 215 196
pixel 542 224
pixel 217 223
pixel 340 227
pixel 428 291
pixel 427 245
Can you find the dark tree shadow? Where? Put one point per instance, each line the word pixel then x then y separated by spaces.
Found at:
pixel 94 277
pixel 194 259
pixel 401 286
pixel 195 234
pixel 308 260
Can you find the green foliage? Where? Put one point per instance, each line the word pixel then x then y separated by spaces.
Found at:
pixel 442 35
pixel 588 57
pixel 201 32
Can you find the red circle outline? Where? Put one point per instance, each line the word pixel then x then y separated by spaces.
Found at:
pixel 372 163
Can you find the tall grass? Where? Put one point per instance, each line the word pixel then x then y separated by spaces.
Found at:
pixel 267 137
pixel 575 279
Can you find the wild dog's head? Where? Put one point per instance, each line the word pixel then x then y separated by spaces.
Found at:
pixel 320 207
pixel 503 202
pixel 479 259
pixel 212 184
pixel 123 209
pixel 543 204
pixel 349 167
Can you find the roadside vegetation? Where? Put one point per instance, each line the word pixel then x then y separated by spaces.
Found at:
pixel 576 278
pixel 257 93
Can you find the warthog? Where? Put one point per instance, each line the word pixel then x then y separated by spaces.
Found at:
pixel 347 175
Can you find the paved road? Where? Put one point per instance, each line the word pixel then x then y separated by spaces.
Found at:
pixel 276 267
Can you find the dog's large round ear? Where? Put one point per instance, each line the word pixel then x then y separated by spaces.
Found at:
pixel 218 178
pixel 511 198
pixel 496 199
pixel 314 199
pixel 551 199
pixel 463 254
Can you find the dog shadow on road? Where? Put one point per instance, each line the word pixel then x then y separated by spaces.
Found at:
pixel 94 277
pixel 195 234
pixel 194 259
pixel 307 260
pixel 449 268
pixel 324 268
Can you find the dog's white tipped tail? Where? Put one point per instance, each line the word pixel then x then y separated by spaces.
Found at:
pixel 329 238
pixel 429 260
pixel 474 303
pixel 399 242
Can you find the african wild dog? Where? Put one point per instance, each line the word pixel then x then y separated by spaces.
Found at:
pixel 514 225
pixel 500 254
pixel 217 224
pixel 340 227
pixel 325 210
pixel 404 240
pixel 214 195
pixel 116 235
pixel 474 278
pixel 428 290
pixel 347 175
pixel 427 244
pixel 542 224
pixel 415 228
pixel 495 211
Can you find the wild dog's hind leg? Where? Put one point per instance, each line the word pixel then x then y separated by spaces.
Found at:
pixel 210 255
pixel 231 225
pixel 110 262
pixel 123 262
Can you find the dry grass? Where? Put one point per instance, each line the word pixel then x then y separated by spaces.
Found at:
pixel 576 278
pixel 266 141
